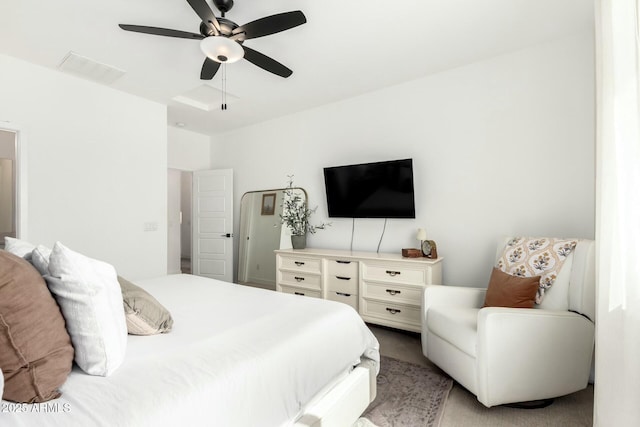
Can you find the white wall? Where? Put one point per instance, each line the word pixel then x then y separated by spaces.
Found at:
pixel 96 166
pixel 187 150
pixel 503 146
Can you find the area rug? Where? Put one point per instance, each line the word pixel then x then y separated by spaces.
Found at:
pixel 409 395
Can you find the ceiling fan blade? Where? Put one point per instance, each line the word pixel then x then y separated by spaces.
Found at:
pixel 209 69
pixel 266 63
pixel 161 31
pixel 271 24
pixel 205 13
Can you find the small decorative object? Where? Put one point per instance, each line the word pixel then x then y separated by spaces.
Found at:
pixel 268 204
pixel 295 214
pixel 411 253
pixel 428 247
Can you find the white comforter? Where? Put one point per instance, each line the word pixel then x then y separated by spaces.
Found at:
pixel 237 356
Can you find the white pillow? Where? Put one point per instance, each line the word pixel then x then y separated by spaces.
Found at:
pixel 19 247
pixel 36 255
pixel 40 259
pixel 90 299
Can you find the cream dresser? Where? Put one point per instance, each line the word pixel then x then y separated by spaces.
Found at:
pixel 385 289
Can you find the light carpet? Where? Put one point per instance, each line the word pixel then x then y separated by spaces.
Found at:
pixel 408 395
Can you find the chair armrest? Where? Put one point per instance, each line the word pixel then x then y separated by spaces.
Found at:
pixel 453 296
pixel 529 354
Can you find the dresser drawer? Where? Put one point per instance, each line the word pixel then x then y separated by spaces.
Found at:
pixel 337 267
pixel 394 273
pixel 391 312
pixel 393 292
pixel 304 280
pixel 311 265
pixel 300 291
pixel 342 284
pixel 350 299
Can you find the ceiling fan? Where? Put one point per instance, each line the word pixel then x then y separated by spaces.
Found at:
pixel 222 39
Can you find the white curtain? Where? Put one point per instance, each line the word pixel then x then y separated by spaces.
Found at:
pixel 617 380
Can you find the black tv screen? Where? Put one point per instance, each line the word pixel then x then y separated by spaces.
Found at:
pixel 371 190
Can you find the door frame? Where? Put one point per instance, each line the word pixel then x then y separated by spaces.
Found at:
pixel 22 194
pixel 173 265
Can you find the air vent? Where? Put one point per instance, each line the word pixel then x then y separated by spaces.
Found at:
pixel 205 97
pixel 82 66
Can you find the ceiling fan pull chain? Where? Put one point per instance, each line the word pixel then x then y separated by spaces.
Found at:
pixel 224 87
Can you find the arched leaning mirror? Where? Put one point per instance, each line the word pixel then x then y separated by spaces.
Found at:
pixel 261 233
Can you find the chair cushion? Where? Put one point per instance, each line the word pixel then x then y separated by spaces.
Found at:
pixel 536 256
pixel 458 326
pixel 506 290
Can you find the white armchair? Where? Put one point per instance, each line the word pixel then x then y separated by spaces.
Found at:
pixel 509 355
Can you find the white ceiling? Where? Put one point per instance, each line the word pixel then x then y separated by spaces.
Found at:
pixel 346 48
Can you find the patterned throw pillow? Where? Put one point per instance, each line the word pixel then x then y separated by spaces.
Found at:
pixel 536 256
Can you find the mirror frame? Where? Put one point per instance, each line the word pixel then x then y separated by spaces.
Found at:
pixel 242 232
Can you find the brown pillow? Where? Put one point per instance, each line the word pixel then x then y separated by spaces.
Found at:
pixel 143 313
pixel 506 290
pixel 36 355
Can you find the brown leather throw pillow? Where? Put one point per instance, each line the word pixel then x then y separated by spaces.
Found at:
pixel 506 290
pixel 36 354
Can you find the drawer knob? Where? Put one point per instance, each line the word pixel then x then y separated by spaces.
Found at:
pixel 393 310
pixel 298 279
pixel 343 278
pixel 392 291
pixel 299 263
pixel 343 294
pixel 300 293
pixel 343 262
pixel 393 273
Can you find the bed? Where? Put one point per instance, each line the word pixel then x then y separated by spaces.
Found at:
pixel 237 356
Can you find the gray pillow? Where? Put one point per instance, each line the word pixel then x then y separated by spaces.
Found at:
pixel 144 314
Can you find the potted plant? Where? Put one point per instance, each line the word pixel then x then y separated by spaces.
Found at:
pixel 296 214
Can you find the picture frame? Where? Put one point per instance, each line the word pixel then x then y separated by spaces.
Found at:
pixel 268 204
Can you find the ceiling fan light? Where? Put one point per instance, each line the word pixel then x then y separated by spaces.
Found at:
pixel 221 49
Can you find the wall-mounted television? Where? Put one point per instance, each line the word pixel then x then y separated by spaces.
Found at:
pixel 371 190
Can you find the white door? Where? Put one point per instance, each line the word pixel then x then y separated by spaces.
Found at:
pixel 212 224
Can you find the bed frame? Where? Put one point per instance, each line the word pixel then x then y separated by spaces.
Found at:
pixel 343 404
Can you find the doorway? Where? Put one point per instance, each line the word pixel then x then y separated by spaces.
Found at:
pixel 200 223
pixel 179 196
